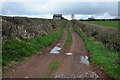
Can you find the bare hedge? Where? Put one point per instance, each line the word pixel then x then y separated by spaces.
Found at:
pixel 23 27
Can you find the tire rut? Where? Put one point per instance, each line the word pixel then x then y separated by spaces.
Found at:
pixel 71 66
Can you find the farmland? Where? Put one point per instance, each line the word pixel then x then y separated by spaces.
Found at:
pixel 113 24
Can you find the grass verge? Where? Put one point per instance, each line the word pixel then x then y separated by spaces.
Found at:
pixel 16 50
pixel 106 23
pixel 53 65
pixel 69 39
pixel 102 56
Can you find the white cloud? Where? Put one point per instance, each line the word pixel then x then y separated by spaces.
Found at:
pixel 23 0
pixel 59 0
pixel 40 7
pixel 67 17
pixel 105 16
pixel 45 16
pixel 80 16
pixel 49 7
pixel 100 16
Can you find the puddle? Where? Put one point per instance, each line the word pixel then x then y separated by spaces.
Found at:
pixel 85 60
pixel 59 44
pixel 69 54
pixel 55 50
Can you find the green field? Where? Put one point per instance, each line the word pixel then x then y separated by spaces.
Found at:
pixel 102 56
pixel 106 23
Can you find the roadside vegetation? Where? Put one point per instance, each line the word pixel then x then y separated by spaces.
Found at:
pixel 113 24
pixel 108 36
pixel 16 50
pixel 101 55
pixel 69 38
pixel 53 65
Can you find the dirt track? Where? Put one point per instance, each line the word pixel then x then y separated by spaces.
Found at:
pixel 70 66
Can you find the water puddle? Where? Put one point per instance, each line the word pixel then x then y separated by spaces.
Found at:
pixel 59 44
pixel 26 77
pixel 69 54
pixel 84 59
pixel 55 50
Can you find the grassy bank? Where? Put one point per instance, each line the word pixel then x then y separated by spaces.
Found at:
pixel 105 23
pixel 102 56
pixel 16 50
pixel 69 38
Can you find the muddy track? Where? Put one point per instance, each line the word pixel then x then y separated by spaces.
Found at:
pixel 75 66
pixel 72 66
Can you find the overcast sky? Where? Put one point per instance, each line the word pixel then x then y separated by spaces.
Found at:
pixel 46 8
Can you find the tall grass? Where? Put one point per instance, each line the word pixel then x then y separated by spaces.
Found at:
pixel 101 55
pixel 15 49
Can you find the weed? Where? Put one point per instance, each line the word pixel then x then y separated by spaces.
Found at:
pixel 54 64
pixel 69 39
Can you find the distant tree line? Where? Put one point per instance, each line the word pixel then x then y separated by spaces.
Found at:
pixel 93 19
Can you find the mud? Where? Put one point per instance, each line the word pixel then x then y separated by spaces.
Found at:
pixel 76 65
